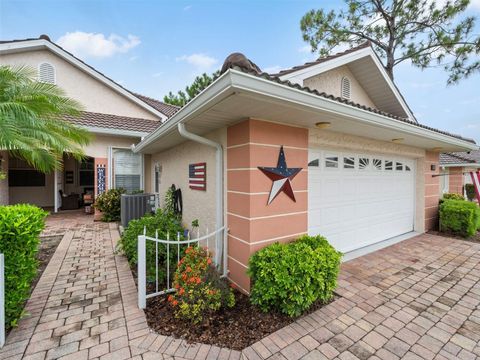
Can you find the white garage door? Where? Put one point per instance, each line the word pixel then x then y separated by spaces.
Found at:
pixel 356 200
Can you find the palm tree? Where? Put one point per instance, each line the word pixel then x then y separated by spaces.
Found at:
pixel 32 124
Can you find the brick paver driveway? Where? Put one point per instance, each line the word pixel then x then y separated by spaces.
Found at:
pixel 415 300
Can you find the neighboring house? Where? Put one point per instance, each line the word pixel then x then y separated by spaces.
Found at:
pixel 455 170
pixel 117 117
pixel 361 169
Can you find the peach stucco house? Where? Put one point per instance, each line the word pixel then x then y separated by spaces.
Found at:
pixel 117 117
pixel 455 170
pixel 329 147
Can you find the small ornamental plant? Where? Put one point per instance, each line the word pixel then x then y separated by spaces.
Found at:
pixel 199 289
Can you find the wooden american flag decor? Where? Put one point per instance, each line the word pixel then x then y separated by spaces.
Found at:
pixel 197 176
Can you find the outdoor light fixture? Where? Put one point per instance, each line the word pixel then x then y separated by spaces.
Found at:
pixel 323 124
pixel 433 167
pixel 397 140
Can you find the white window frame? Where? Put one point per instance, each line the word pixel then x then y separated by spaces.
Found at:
pixel 111 178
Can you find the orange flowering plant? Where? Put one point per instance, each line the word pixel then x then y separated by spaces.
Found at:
pixel 200 290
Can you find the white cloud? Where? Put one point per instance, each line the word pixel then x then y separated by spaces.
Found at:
pixel 272 69
pixel 133 58
pixel 86 45
pixel 475 4
pixel 307 49
pixel 200 61
pixel 158 74
pixel 188 7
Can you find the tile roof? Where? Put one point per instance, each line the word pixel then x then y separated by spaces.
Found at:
pixel 109 121
pixel 164 108
pixel 323 59
pixel 277 80
pixel 471 157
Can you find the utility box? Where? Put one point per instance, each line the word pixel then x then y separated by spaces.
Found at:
pixel 135 206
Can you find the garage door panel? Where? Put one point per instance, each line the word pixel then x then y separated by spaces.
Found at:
pixel 358 207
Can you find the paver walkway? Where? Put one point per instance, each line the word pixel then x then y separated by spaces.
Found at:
pixel 419 299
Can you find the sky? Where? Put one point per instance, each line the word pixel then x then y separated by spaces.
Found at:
pixel 153 47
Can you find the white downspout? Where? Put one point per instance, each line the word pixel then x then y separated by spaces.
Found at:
pixel 219 184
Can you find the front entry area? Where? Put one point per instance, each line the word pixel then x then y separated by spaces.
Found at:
pixel 356 200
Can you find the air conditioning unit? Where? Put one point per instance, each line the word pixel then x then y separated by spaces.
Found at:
pixel 135 206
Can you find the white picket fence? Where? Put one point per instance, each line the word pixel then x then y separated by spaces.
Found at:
pixel 217 238
pixel 2 300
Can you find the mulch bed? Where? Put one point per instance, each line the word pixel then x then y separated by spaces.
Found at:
pixel 48 245
pixel 235 328
pixel 475 238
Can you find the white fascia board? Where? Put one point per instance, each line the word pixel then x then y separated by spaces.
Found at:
pixel 234 81
pixel 250 83
pixel 115 132
pixel 217 90
pixel 473 165
pixel 40 43
pixel 300 75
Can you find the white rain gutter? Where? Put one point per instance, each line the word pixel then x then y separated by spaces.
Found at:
pixel 218 183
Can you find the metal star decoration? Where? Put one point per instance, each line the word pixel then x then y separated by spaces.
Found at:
pixel 281 177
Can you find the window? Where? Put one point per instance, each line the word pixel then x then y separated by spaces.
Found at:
pixel 86 173
pixel 127 170
pixel 349 163
pixel 407 168
pixel 20 174
pixel 331 162
pixel 377 164
pixel 399 166
pixel 315 162
pixel 363 163
pixel 346 91
pixel 388 165
pixel 46 73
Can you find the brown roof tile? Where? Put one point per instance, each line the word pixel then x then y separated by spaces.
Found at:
pixel 471 157
pixel 164 108
pixel 109 121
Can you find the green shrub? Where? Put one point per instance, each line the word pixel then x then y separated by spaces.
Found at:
pixel 453 196
pixel 459 217
pixel 200 291
pixel 166 223
pixel 291 277
pixel 109 204
pixel 20 227
pixel 470 190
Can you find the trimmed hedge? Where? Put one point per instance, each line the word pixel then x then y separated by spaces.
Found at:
pixel 459 217
pixel 291 277
pixel 452 196
pixel 20 228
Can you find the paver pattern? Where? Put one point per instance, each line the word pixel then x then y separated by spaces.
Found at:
pixel 419 299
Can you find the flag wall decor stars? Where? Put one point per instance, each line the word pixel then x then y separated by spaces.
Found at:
pixel 281 177
pixel 197 176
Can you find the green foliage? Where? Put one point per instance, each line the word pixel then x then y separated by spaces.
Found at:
pixel 424 32
pixel 20 227
pixel 459 217
pixel 199 84
pixel 453 196
pixel 33 118
pixel 200 290
pixel 470 190
pixel 291 277
pixel 168 206
pixel 167 224
pixel 109 204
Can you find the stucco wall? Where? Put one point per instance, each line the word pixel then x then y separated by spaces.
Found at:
pixel 174 162
pixel 330 83
pixel 37 195
pixel 432 184
pixel 100 143
pixel 455 181
pixel 4 182
pixel 93 94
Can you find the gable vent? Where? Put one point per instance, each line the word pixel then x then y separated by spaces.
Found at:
pixel 46 73
pixel 346 90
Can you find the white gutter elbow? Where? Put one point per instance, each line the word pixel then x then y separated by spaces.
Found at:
pixel 219 184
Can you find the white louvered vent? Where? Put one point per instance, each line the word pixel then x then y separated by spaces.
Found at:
pixel 46 73
pixel 346 90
